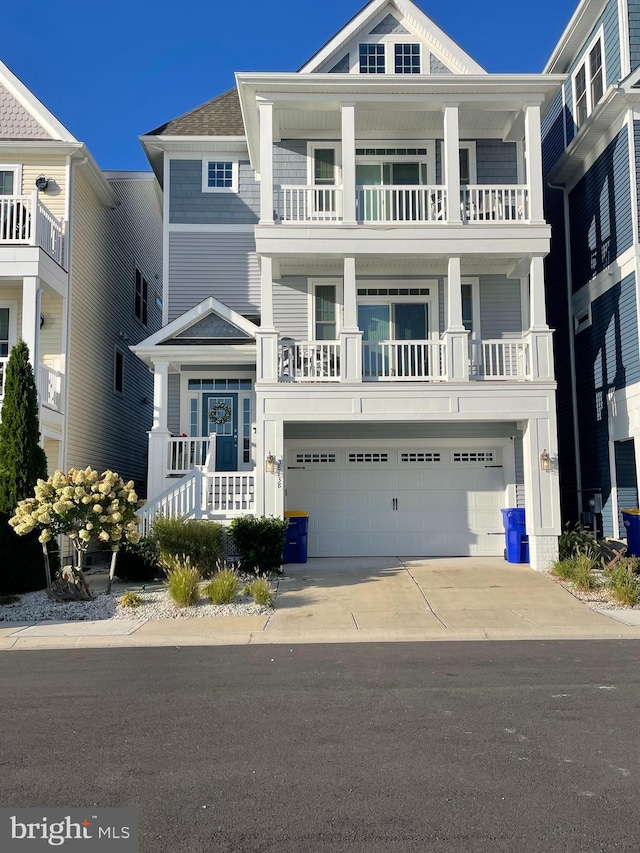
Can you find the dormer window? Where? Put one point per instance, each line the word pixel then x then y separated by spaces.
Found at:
pixel 588 82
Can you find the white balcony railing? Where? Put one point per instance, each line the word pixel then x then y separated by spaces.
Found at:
pixel 311 204
pixel 309 361
pixel 401 204
pixel 184 454
pixel 228 493
pixel 24 220
pixel 500 359
pixel 403 361
pixel 487 203
pixel 50 387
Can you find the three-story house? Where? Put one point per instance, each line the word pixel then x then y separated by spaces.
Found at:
pixel 354 303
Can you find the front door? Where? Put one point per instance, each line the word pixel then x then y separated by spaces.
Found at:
pixel 220 418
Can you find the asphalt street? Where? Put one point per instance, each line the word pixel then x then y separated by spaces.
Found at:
pixel 518 747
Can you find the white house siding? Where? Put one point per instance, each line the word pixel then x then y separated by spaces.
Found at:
pixel 223 265
pixel 51 331
pixel 106 429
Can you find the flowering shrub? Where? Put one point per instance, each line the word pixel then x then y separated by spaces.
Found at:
pixel 82 505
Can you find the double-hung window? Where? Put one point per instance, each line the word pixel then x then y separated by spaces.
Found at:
pixel 141 298
pixel 588 82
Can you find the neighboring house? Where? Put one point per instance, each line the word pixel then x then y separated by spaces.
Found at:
pixel 354 299
pixel 591 152
pixel 80 279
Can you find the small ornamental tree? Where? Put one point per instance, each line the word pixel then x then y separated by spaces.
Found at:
pixel 22 462
pixel 84 506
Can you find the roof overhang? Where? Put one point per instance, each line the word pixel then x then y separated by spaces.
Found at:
pixel 576 32
pixel 155 147
pixel 327 91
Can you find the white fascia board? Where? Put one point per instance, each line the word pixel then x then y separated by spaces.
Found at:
pixel 34 107
pixel 201 354
pixel 83 160
pixel 210 305
pixel 429 31
pixel 575 33
pixel 41 146
pixel 169 143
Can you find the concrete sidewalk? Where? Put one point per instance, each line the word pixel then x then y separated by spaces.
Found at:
pixel 367 600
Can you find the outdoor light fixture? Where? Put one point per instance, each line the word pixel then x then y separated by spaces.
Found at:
pixel 545 461
pixel 42 182
pixel 270 464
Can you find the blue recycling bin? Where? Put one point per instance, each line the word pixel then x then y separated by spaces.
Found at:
pixel 515 534
pixel 295 548
pixel 631 520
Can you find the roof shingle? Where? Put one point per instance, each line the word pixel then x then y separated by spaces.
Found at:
pixel 219 117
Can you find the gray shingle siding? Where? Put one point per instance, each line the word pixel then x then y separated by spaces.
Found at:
pixel 342 66
pixel 634 32
pixel 206 264
pixel 290 162
pixel 500 309
pixel 496 162
pixel 600 213
pixel 188 205
pixel 608 19
pixel 607 360
pixel 438 67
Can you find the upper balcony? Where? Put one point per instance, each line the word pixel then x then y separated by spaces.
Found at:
pixel 25 221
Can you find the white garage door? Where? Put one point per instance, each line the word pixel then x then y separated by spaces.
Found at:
pixel 436 500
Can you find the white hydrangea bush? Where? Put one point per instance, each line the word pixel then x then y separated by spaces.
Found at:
pixel 82 505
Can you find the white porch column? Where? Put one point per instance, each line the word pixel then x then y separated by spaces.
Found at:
pixel 539 337
pixel 265 109
pixel 273 484
pixel 266 337
pixel 30 331
pixel 456 336
pixel 533 159
pixel 452 161
pixel 159 434
pixel 348 120
pixel 542 490
pixel 350 334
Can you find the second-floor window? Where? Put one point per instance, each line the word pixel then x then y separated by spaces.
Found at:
pixel 325 312
pixel 4 332
pixel 220 176
pixel 588 82
pixel 141 307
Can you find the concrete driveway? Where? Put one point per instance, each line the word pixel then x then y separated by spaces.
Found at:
pixel 448 598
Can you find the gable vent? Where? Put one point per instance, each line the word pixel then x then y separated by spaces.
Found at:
pixel 473 456
pixel 420 457
pixel 367 457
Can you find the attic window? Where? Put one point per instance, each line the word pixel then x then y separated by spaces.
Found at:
pixel 407 58
pixel 372 59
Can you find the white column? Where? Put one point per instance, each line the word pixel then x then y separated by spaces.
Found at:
pixel 265 109
pixel 533 157
pixel 348 119
pixel 456 336
pixel 267 336
pixel 159 434
pixel 273 484
pixel 542 490
pixel 452 161
pixel 350 334
pixel 539 337
pixel 30 331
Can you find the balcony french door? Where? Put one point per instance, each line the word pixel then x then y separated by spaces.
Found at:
pixel 384 327
pixel 395 204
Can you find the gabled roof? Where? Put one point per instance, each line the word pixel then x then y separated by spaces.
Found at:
pixel 576 32
pixel 219 117
pixel 438 41
pixel 193 318
pixel 23 117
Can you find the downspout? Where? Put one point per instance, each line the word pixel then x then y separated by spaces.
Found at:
pixel 572 346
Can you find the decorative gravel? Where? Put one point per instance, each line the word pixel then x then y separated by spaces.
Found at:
pixel 156 604
pixel 597 599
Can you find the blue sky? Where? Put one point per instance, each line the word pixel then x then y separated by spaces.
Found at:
pixel 112 71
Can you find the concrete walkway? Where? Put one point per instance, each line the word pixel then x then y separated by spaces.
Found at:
pixel 367 600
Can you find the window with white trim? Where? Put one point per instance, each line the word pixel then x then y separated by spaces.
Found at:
pixel 588 81
pixel 324 313
pixel 4 332
pixel 407 58
pixel 220 175
pixel 467 157
pixel 141 299
pixel 372 59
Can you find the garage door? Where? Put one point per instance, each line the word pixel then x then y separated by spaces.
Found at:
pixel 398 500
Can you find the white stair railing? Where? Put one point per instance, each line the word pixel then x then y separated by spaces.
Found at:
pixel 182 498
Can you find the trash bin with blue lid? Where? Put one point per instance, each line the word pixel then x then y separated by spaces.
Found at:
pixel 515 534
pixel 631 520
pixel 295 548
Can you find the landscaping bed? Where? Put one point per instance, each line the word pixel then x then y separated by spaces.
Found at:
pixel 598 598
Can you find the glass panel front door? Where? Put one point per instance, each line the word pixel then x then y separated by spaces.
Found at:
pixel 220 418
